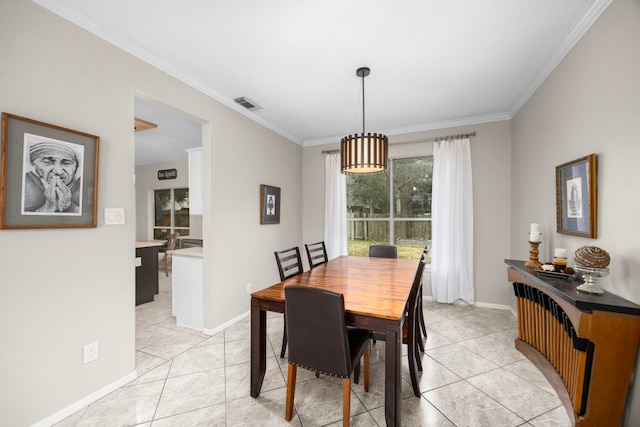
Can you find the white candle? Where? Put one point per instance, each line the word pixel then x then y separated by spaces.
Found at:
pixel 534 236
pixel 535 228
pixel 560 253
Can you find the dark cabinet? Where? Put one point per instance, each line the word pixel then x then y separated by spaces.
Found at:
pixel 146 273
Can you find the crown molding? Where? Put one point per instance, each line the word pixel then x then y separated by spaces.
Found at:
pixel 96 28
pixel 443 124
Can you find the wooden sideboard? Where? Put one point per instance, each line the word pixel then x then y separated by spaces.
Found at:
pixel 585 345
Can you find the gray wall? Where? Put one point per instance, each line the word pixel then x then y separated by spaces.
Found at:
pixel 64 288
pixel 589 104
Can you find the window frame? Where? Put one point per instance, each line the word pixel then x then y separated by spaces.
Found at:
pixel 182 231
pixel 391 220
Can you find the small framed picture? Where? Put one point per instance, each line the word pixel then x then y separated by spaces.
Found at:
pixel 269 204
pixel 576 197
pixel 49 175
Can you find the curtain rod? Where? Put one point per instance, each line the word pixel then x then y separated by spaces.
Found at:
pixel 435 138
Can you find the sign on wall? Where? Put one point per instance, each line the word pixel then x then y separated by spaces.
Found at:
pixel 167 174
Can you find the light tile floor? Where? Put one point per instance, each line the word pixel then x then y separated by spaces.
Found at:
pixel 473 376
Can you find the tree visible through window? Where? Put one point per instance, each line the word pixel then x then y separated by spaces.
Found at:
pixel 171 212
pixel 393 207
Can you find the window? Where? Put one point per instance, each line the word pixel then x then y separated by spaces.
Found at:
pixel 171 209
pixel 393 207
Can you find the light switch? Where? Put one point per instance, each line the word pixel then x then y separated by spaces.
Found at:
pixel 113 216
pixel 138 261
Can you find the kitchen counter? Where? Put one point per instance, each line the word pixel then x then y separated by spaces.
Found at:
pixel 195 251
pixel 187 289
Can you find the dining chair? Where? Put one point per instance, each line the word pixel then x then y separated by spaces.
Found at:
pixel 289 265
pixel 316 253
pixel 410 330
pixel 383 251
pixel 423 327
pixel 320 341
pixel 172 240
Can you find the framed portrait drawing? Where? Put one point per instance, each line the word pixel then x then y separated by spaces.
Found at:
pixel 576 197
pixel 49 176
pixel 269 204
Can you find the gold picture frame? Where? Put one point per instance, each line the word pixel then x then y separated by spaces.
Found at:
pixel 576 202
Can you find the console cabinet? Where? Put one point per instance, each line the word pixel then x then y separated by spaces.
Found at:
pixel 585 345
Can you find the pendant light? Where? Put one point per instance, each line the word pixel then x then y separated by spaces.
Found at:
pixel 364 153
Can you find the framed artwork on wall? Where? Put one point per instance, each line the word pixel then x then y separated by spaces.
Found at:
pixel 49 175
pixel 269 204
pixel 576 197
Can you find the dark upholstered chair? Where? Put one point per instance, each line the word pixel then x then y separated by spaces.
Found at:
pixel 319 340
pixel 289 265
pixel 316 253
pixel 383 251
pixel 410 331
pixel 172 241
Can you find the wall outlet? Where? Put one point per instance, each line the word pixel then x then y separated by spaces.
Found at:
pixel 90 353
pixel 249 288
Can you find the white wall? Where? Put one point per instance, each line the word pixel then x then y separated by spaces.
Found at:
pixel 63 288
pixel 589 104
pixel 490 158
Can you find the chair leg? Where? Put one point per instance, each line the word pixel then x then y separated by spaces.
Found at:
pixel 165 262
pixel 291 390
pixel 356 372
pixel 284 340
pixel 346 401
pixel 367 357
pixel 412 356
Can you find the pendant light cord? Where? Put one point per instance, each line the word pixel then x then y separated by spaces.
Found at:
pixel 363 115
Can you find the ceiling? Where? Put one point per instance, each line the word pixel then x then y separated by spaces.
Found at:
pixel 434 63
pixel 167 142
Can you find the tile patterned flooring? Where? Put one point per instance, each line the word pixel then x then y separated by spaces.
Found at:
pixel 473 376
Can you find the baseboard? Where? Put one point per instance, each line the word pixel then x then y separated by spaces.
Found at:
pixel 85 401
pixel 225 325
pixel 479 304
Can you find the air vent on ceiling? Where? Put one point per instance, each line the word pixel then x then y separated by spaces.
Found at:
pixel 247 103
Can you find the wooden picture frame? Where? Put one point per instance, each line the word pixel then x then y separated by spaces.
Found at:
pixel 49 175
pixel 269 204
pixel 576 203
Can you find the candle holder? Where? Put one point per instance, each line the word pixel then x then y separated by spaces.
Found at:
pixel 533 256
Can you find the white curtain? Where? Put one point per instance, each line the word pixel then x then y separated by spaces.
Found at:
pixel 335 208
pixel 452 214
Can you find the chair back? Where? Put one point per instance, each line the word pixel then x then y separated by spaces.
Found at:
pixel 425 254
pixel 316 253
pixel 289 262
pixel 415 289
pixel 172 241
pixel 317 330
pixel 383 251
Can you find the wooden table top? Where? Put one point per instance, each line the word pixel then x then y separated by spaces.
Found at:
pixel 376 287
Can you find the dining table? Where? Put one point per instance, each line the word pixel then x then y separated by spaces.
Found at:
pixel 375 292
